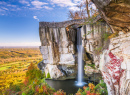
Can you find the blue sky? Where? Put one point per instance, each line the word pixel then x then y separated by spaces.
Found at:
pixel 19 19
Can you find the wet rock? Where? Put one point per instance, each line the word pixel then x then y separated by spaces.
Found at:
pixel 69 71
pixel 95 77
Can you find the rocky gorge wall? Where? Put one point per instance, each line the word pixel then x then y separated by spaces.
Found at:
pixel 58 50
pixel 115 65
pixel 59 46
pixel 113 60
pixel 110 56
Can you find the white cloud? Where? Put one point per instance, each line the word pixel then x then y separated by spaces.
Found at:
pixel 71 4
pixel 46 7
pixel 21 44
pixel 5 8
pixel 15 9
pixel 76 1
pixel 10 5
pixel 1 10
pixel 18 9
pixel 24 2
pixel 74 8
pixel 38 4
pixel 2 2
pixel 63 3
pixel 35 17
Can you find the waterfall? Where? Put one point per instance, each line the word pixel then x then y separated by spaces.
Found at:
pixel 80 57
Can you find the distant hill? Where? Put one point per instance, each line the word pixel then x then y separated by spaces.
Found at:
pixel 19 47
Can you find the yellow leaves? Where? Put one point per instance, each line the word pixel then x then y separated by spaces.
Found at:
pixel 7 85
pixel 91 86
pixel 14 63
pixel 113 35
pixel 40 90
pixel 84 87
pixel 11 77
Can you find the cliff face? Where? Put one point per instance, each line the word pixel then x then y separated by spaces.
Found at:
pixel 115 60
pixel 115 65
pixel 111 56
pixel 59 46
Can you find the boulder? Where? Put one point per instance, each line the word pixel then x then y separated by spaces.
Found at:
pixel 53 70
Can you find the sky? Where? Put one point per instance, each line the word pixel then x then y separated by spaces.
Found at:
pixel 19 19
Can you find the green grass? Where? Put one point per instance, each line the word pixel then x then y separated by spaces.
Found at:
pixel 3 68
pixel 17 64
pixel 16 59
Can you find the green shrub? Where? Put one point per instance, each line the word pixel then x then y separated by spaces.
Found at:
pixel 48 75
pixel 92 65
pixel 23 93
pixel 33 73
pixel 101 88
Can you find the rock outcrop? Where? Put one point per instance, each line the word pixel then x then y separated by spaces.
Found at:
pixel 59 45
pixel 113 58
pixel 117 15
pixel 115 65
pixel 110 56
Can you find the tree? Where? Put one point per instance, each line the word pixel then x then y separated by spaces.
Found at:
pixel 78 14
pixel 85 11
pixel 87 8
pixel 33 73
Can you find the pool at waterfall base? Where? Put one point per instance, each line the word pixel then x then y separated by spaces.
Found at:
pixel 69 86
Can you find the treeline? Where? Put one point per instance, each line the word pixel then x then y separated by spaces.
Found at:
pixel 18 54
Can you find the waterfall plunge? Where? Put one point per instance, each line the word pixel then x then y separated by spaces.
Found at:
pixel 80 57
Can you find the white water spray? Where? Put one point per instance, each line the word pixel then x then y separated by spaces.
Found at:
pixel 80 57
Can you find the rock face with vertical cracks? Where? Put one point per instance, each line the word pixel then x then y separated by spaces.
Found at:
pixel 59 46
pixel 115 65
pixel 116 58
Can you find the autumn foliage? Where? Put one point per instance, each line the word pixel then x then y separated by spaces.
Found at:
pixel 91 89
